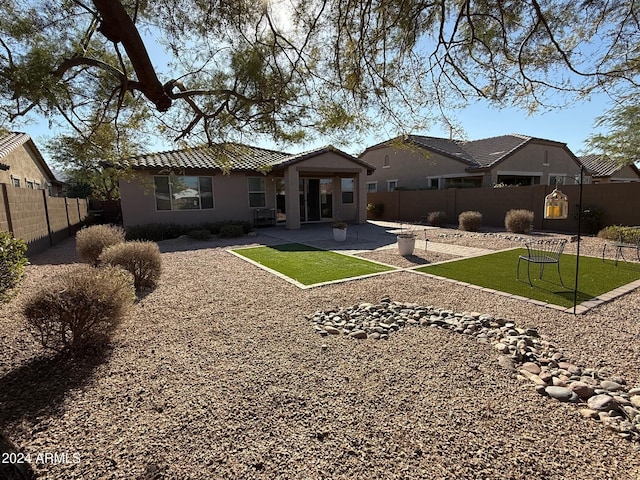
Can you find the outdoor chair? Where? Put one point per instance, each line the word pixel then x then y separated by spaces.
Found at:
pixel 629 239
pixel 542 252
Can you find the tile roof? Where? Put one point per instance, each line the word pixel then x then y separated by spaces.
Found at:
pixel 600 165
pixel 477 153
pixel 231 157
pixel 11 141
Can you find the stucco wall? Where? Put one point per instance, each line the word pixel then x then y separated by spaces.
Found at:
pixel 24 166
pixel 530 160
pixel 230 195
pixel 410 167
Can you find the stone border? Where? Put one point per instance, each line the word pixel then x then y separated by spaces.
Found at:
pixel 601 397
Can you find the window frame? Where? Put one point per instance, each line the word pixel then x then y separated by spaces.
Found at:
pixel 15 181
pixel 262 192
pixel 350 190
pixel 375 187
pixel 389 182
pixel 172 200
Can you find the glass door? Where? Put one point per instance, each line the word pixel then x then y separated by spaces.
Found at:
pixel 316 199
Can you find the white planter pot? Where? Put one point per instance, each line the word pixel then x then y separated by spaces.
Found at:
pixel 406 244
pixel 339 234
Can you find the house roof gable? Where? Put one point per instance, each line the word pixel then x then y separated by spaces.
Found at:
pixel 13 141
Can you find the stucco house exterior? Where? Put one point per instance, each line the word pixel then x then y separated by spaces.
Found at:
pixel 239 182
pixel 605 170
pixel 416 162
pixel 23 166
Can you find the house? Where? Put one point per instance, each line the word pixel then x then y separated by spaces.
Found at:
pixel 415 162
pixel 22 165
pixel 239 182
pixel 605 170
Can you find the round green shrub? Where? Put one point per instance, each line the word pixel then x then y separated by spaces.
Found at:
pixel 230 231
pixel 80 308
pixel 437 219
pixel 518 221
pixel 470 221
pixel 141 259
pixel 12 262
pixel 91 241
pixel 202 234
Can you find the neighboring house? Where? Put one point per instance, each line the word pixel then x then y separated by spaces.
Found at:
pixel 605 170
pixel 416 162
pixel 23 166
pixel 238 182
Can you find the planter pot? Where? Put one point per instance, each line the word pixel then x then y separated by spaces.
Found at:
pixel 406 244
pixel 339 234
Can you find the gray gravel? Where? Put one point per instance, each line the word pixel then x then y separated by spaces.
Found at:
pixel 218 374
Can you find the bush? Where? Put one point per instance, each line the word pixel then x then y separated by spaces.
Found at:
pixel 437 219
pixel 141 259
pixel 230 231
pixel 199 234
pixel 155 232
pixel 91 241
pixel 79 308
pixel 619 233
pixel 591 220
pixel 470 221
pixel 375 209
pixel 518 221
pixel 12 262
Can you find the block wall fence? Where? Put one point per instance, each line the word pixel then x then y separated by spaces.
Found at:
pixel 38 219
pixel 620 203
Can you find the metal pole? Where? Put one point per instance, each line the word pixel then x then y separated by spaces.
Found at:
pixel 575 292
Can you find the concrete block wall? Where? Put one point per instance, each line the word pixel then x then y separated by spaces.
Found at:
pixel 41 221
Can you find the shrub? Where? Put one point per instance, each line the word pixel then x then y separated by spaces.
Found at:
pixel 375 209
pixel 91 241
pixel 470 221
pixel 437 219
pixel 79 308
pixel 619 233
pixel 155 232
pixel 518 221
pixel 12 262
pixel 591 220
pixel 199 234
pixel 230 231
pixel 141 259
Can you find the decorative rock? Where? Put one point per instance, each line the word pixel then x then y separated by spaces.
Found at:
pixel 634 391
pixel 635 400
pixel 332 330
pixel 531 367
pixel 359 334
pixel 506 362
pixel 601 402
pixel 561 393
pixel 588 413
pixel 583 390
pixel 611 386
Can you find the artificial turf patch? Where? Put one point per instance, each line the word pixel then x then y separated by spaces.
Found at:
pixel 498 271
pixel 308 265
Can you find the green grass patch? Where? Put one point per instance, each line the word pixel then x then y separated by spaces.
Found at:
pixel 498 271
pixel 309 265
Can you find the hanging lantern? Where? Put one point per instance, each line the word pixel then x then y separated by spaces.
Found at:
pixel 556 205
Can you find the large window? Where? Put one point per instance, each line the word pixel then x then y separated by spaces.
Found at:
pixel 347 188
pixel 257 192
pixel 184 193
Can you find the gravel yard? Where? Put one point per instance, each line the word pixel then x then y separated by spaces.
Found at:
pixel 217 374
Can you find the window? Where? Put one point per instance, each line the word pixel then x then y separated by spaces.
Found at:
pixel 372 187
pixel 392 185
pixel 556 180
pixel 386 162
pixel 29 184
pixel 37 185
pixel 433 183
pixel 257 192
pixel 184 193
pixel 15 181
pixel 347 188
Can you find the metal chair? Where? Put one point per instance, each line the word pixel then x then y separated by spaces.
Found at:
pixel 629 239
pixel 542 252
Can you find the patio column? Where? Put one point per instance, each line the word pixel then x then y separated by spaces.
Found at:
pixel 292 197
pixel 361 189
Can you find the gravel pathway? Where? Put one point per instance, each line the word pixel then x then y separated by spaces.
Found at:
pixel 217 374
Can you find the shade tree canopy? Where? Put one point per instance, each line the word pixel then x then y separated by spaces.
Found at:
pixel 293 68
